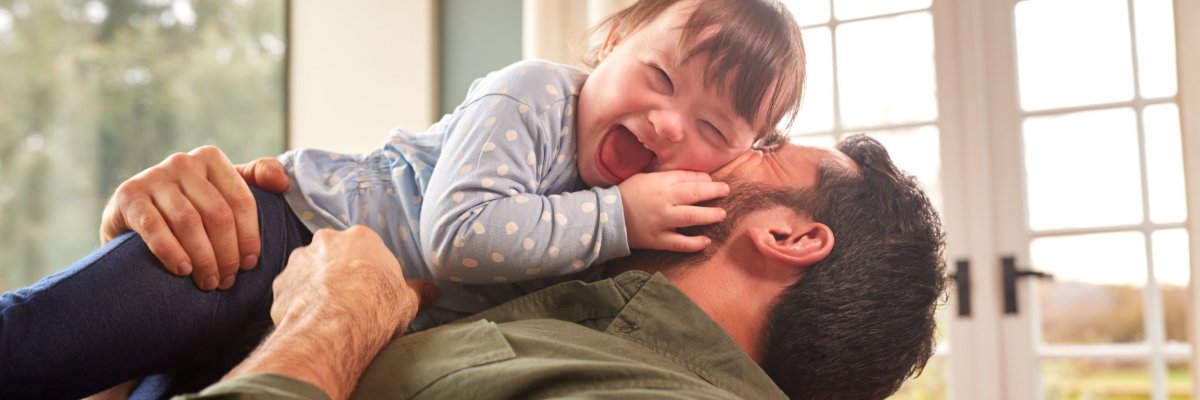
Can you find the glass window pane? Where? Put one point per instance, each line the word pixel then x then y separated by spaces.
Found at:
pixel 1067 57
pixel 1096 295
pixel 809 12
pixel 850 9
pixel 1082 170
pixel 1155 22
pixel 1164 163
pixel 93 94
pixel 1091 379
pixel 1172 271
pixel 886 72
pixel 931 385
pixel 816 111
pixel 1179 381
pixel 826 141
pixel 917 152
pixel 6 21
pixel 942 317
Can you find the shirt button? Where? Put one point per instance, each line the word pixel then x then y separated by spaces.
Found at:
pixel 628 327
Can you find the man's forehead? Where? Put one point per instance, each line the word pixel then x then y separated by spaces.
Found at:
pixel 839 158
pixel 788 164
pixel 803 156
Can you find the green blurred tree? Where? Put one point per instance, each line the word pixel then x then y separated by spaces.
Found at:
pixel 93 91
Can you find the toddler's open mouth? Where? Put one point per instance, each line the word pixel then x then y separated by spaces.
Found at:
pixel 621 154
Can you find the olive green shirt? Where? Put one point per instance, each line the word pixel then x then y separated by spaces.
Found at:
pixel 632 336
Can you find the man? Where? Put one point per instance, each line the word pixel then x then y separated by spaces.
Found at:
pixel 826 275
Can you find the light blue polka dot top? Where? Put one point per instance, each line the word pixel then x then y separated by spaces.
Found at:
pixel 487 202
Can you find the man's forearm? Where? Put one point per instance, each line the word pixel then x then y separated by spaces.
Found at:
pixel 330 352
pixel 338 302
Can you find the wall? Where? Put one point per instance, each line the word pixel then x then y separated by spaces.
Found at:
pixel 477 37
pixel 558 30
pixel 358 69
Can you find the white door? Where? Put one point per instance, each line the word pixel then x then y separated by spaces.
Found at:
pixel 1087 155
pixel 1048 134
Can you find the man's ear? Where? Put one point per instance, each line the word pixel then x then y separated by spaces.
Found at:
pixel 799 245
pixel 610 40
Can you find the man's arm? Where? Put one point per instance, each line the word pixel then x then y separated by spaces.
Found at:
pixel 329 353
pixel 336 305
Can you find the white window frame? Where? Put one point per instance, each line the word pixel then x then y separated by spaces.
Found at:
pixel 1187 53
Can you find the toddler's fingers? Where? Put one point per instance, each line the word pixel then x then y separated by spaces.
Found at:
pixel 682 216
pixel 676 176
pixel 695 192
pixel 188 227
pixel 683 244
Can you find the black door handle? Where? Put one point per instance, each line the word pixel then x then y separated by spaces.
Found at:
pixel 962 282
pixel 1011 273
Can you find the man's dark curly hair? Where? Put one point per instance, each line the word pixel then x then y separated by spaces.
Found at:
pixel 861 321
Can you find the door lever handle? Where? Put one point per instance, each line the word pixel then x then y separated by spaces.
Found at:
pixel 1011 274
pixel 962 283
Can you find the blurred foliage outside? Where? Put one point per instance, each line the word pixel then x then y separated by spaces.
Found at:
pixel 1064 379
pixel 1082 313
pixel 1068 380
pixel 930 385
pixel 91 92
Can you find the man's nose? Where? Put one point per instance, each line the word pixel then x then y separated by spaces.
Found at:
pixel 669 125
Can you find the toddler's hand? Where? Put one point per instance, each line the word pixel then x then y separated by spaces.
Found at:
pixel 196 213
pixel 657 203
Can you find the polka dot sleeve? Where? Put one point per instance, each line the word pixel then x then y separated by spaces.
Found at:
pixel 491 214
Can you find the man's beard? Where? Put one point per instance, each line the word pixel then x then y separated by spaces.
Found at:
pixel 744 199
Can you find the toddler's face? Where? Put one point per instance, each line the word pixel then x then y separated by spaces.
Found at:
pixel 644 110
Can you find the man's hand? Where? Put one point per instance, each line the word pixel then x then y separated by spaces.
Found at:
pixel 348 274
pixel 338 302
pixel 657 203
pixel 196 213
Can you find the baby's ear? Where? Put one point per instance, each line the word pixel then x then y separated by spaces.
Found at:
pixel 796 245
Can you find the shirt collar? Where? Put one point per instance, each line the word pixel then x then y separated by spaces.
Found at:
pixel 650 311
pixel 661 317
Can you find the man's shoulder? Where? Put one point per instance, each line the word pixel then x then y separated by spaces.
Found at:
pixel 508 360
pixel 575 301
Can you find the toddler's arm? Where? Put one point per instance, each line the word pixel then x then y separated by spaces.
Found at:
pixel 502 205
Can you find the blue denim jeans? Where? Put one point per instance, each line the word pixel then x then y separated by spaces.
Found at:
pixel 117 315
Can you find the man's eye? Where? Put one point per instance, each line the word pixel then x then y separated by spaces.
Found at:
pixel 666 79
